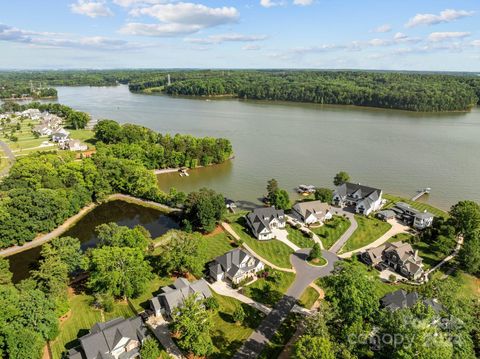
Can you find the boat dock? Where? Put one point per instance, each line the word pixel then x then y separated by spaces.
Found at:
pixel 421 193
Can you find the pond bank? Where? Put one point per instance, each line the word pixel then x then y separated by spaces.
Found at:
pixel 70 222
pixel 177 169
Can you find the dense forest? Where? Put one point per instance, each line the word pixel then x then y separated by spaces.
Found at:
pixel 43 189
pixel 412 91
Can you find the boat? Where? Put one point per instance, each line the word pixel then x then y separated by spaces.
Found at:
pixel 183 172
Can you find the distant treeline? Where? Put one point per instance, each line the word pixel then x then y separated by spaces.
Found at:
pixel 412 91
pixel 21 90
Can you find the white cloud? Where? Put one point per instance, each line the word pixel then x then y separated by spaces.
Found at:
pixel 476 43
pixel 448 15
pixel 54 40
pixel 302 2
pixel 218 39
pixel 383 28
pixel 251 47
pixel 179 19
pixel 270 3
pixel 91 9
pixel 130 3
pixel 445 36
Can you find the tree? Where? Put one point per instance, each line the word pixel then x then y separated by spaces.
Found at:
pixel 203 209
pixel 470 253
pixel 280 199
pixel 211 303
pixel 113 235
pixel 465 216
pixel 192 324
pixel 66 249
pixel 5 274
pixel 272 187
pixel 316 252
pixel 150 349
pixel 340 178
pixel 238 314
pixel 313 347
pixel 77 119
pixel 181 254
pixel 120 271
pixel 324 195
pixel 52 279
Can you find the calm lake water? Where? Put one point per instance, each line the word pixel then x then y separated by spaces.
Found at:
pixel 122 213
pixel 397 151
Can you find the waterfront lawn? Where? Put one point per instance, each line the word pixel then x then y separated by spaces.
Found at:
pixel 309 297
pixel 212 246
pixel 401 237
pixel 369 230
pixel 332 230
pixel 271 289
pixel 272 250
pixel 81 318
pixel 418 205
pixel 297 237
pixel 429 253
pixel 281 337
pixel 228 336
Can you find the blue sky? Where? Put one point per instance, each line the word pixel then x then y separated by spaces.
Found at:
pixel 358 34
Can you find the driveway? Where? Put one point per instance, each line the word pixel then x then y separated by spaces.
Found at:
pixel 224 289
pixel 160 329
pixel 282 236
pixel 10 156
pixel 306 274
pixel 397 228
pixel 344 238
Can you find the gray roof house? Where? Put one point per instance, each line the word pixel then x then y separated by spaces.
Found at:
pixel 412 216
pixel 399 256
pixel 401 299
pixel 235 265
pixel 173 296
pixel 311 212
pixel 261 221
pixel 365 199
pixel 116 339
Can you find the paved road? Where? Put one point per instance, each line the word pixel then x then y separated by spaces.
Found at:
pixel 344 238
pixel 306 274
pixel 11 158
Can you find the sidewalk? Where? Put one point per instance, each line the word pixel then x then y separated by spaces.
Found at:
pixel 224 289
pixel 159 327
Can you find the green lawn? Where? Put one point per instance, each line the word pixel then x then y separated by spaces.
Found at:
pixel 430 255
pixel 286 331
pixel 402 237
pixel 82 317
pixel 141 303
pixel 278 282
pixel 214 246
pixel 309 297
pixel 297 237
pixel 274 251
pixel 418 205
pixel 227 336
pixel 369 230
pixel 332 230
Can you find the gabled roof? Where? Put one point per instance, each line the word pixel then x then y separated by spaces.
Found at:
pixel 182 289
pixel 364 192
pixel 305 209
pixel 401 299
pixel 231 262
pixel 260 218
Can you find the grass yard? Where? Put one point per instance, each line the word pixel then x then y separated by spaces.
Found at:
pixel 430 255
pixel 418 205
pixel 227 336
pixel 271 289
pixel 214 245
pixel 141 303
pixel 309 297
pixel 83 135
pixel 332 230
pixel 402 237
pixel 274 251
pixel 81 319
pixel 369 230
pixel 286 331
pixel 297 237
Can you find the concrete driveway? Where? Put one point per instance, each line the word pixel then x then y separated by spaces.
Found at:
pixel 344 238
pixel 282 236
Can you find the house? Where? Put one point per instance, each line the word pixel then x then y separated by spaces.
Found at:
pixel 412 216
pixel 386 215
pixel 76 145
pixel 262 220
pixel 173 296
pixel 42 130
pixel 401 299
pixel 311 212
pixel 116 339
pixel 235 265
pixel 398 256
pixel 60 137
pixel 365 199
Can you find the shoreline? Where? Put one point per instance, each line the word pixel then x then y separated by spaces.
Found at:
pixel 173 170
pixel 71 221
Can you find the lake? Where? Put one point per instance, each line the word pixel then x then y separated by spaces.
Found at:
pixel 122 213
pixel 397 151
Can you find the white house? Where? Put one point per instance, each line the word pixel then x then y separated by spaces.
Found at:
pixel 76 145
pixel 365 199
pixel 262 220
pixel 312 212
pixel 235 265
